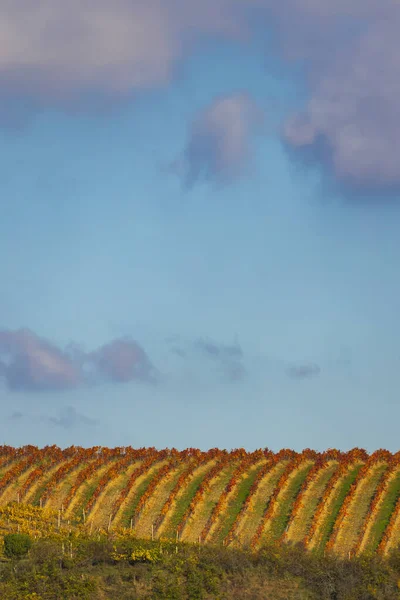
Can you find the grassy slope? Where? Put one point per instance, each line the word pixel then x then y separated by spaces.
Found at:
pixel 394 539
pixel 381 517
pixel 332 508
pixel 60 491
pixel 174 516
pixel 251 518
pixel 350 528
pixel 234 504
pixel 357 510
pixel 127 509
pixel 83 493
pixel 275 526
pixel 10 493
pixel 203 509
pixel 153 506
pixel 34 492
pixel 100 513
pixel 301 523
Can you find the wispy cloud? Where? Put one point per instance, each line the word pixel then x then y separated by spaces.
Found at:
pixel 303 371
pixel 226 359
pixel 70 418
pixel 218 145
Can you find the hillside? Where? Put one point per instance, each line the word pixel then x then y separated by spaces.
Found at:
pixel 344 502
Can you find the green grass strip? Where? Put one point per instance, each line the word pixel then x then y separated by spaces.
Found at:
pixel 284 507
pixel 182 504
pixel 234 507
pixel 87 493
pixel 129 512
pixel 313 499
pixel 382 516
pixel 327 526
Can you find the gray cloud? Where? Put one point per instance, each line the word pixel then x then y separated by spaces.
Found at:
pixel 213 349
pixel 218 145
pixel 303 371
pixel 226 358
pixel 70 418
pixel 16 415
pixel 30 363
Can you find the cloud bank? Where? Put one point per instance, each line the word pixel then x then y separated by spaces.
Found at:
pixel 31 363
pixel 83 53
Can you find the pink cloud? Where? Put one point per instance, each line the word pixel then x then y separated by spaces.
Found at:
pixel 56 51
pixel 123 360
pixel 31 363
pixel 218 144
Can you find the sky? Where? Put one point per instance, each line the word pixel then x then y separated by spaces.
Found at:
pixel 199 217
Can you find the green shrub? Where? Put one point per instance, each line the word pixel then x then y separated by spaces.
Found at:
pixel 16 544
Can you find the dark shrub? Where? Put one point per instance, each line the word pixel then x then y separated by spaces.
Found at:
pixel 16 544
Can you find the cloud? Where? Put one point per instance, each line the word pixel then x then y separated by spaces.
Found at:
pixel 226 358
pixel 350 54
pixel 218 145
pixel 85 52
pixel 303 371
pixel 123 360
pixel 95 53
pixel 213 349
pixel 31 363
pixel 16 415
pixel 70 418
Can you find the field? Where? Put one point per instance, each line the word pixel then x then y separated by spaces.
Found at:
pixel 343 503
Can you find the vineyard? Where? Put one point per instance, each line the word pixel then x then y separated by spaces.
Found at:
pixel 345 503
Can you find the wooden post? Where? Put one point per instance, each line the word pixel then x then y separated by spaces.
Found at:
pixel 41 503
pixel 18 497
pixel 131 523
pixel 84 516
pixel 152 532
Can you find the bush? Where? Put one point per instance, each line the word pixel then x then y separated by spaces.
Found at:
pixel 16 544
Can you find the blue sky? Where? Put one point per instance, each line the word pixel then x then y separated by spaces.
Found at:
pixel 199 224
